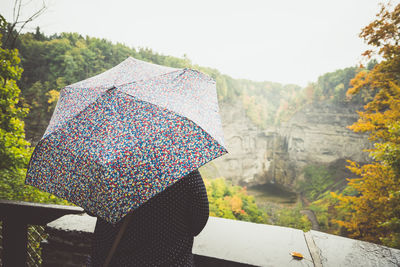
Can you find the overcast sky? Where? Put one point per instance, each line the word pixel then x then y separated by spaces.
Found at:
pixel 287 41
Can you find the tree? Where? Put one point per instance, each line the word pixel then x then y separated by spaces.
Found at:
pixel 232 202
pixel 14 149
pixel 374 213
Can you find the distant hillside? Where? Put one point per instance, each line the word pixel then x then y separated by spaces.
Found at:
pixel 330 87
pixel 52 62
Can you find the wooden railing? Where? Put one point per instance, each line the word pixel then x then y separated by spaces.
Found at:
pixel 16 216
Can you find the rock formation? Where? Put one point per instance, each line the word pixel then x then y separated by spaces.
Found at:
pixel 316 134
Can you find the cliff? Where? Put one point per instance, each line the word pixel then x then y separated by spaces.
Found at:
pixel 316 134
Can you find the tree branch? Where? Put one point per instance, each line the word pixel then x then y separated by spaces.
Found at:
pixel 11 37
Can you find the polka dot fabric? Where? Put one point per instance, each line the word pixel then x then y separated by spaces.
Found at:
pixel 160 232
pixel 113 150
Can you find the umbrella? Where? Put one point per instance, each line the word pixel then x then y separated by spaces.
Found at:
pixel 117 139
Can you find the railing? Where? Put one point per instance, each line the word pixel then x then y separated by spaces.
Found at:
pixel 222 242
pixel 15 217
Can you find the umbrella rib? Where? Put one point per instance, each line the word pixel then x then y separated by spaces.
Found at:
pixel 60 126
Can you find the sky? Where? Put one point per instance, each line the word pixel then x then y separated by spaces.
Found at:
pixel 286 41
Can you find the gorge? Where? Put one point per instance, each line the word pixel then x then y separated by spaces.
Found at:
pixel 315 135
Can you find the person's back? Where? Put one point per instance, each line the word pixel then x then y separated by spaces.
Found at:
pixel 161 231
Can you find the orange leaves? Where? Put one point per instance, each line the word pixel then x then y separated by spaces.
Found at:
pixel 372 214
pixel 354 167
pixel 358 82
pixel 383 110
pixel 232 202
pixel 365 212
pixel 236 204
pixel 367 53
pixel 383 32
pixel 297 255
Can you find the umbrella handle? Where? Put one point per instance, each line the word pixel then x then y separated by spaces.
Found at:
pixel 117 239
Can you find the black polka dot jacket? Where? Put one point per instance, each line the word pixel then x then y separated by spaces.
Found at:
pixel 160 232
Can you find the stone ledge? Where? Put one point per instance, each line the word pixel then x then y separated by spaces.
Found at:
pixel 251 243
pixel 226 242
pixel 341 251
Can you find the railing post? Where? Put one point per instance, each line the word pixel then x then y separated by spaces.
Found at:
pixel 16 216
pixel 14 242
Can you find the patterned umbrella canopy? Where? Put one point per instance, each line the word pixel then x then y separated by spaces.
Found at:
pixel 117 139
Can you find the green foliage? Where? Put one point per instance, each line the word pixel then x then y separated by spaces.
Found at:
pixel 15 151
pixel 12 187
pixel 232 202
pixel 324 211
pixel 334 85
pixel 317 180
pixel 317 186
pixel 291 217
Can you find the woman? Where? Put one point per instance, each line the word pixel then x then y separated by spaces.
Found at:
pixel 160 232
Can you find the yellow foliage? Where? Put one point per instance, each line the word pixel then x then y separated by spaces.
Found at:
pixel 373 214
pixel 235 202
pixel 53 96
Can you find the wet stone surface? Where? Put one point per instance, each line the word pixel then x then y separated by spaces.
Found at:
pixel 340 251
pixel 251 243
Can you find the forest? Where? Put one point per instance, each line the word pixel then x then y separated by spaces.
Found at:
pixel 35 67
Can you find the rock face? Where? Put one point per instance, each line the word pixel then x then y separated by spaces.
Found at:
pixel 247 146
pixel 317 134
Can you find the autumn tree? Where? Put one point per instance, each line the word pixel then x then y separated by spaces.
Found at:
pixel 373 214
pixel 232 202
